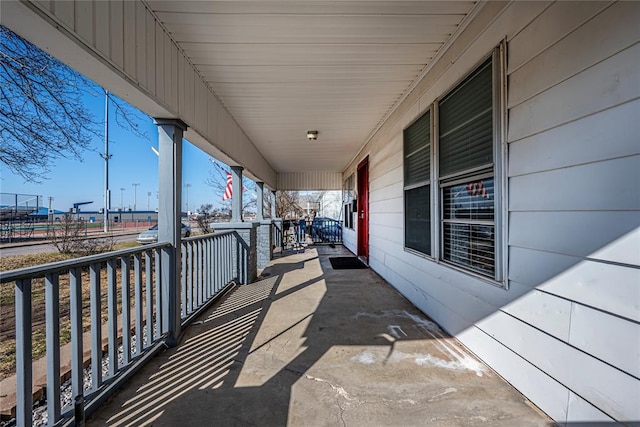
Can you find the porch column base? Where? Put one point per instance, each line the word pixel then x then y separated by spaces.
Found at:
pixel 265 243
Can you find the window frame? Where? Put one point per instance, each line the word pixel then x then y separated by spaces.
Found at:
pixel 428 183
pixel 497 170
pixel 348 196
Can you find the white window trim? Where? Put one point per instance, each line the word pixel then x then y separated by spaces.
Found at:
pixel 500 168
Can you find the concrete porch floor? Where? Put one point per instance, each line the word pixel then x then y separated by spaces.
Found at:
pixel 313 346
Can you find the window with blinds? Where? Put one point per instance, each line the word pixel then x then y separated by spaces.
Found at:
pixel 466 173
pixel 417 183
pixel 452 200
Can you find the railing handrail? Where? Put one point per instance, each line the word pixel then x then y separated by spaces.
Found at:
pixel 204 236
pixel 52 267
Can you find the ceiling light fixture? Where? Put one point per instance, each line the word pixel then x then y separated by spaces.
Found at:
pixel 312 135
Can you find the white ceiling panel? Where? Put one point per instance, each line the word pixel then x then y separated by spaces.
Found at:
pixel 284 67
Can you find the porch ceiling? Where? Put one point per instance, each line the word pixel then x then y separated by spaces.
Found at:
pixel 282 68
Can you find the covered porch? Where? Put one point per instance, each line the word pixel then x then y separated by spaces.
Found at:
pixel 489 159
pixel 310 345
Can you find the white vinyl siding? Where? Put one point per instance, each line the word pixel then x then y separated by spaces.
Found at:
pixel 565 330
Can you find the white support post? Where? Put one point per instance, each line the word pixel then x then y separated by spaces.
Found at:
pixel 260 201
pixel 236 199
pixel 170 133
pixel 273 204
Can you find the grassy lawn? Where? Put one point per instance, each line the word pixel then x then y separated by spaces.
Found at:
pixel 7 300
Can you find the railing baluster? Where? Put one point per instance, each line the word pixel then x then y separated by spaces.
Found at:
pixel 230 257
pixel 194 274
pixel 229 262
pixel 126 310
pixel 243 263
pixel 183 278
pixel 203 270
pixel 203 267
pixel 190 277
pixel 209 268
pixel 223 259
pixel 24 396
pixel 52 318
pixel 112 312
pixel 227 257
pixel 215 267
pixel 158 291
pixel 96 326
pixel 149 297
pixel 227 253
pixel 137 271
pixel 77 371
pixel 198 273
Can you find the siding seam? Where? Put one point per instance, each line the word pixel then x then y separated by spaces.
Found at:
pixel 535 18
pixel 606 159
pixel 541 91
pixel 573 120
pixel 545 291
pixel 525 361
pixel 561 38
pixel 568 345
pixel 575 210
pixel 581 258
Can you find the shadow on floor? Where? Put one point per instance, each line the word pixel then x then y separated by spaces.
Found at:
pixel 312 346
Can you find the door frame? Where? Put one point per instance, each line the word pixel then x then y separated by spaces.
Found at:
pixel 363 209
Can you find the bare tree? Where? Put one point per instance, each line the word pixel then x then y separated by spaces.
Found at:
pixel 42 114
pixel 203 219
pixel 70 237
pixel 288 204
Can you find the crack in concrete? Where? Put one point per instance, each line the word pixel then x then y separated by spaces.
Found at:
pixel 445 392
pixel 341 413
pixel 341 391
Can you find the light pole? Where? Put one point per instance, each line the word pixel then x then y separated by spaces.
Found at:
pixel 121 204
pixel 106 156
pixel 134 185
pixel 148 200
pixel 50 216
pixel 187 186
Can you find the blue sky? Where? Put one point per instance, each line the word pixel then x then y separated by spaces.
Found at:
pixel 133 161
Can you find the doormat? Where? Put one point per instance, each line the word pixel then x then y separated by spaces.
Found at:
pixel 346 263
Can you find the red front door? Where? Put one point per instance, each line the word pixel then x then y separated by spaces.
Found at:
pixel 363 209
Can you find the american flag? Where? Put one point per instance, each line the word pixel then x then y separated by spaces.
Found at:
pixel 228 191
pixel 477 189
